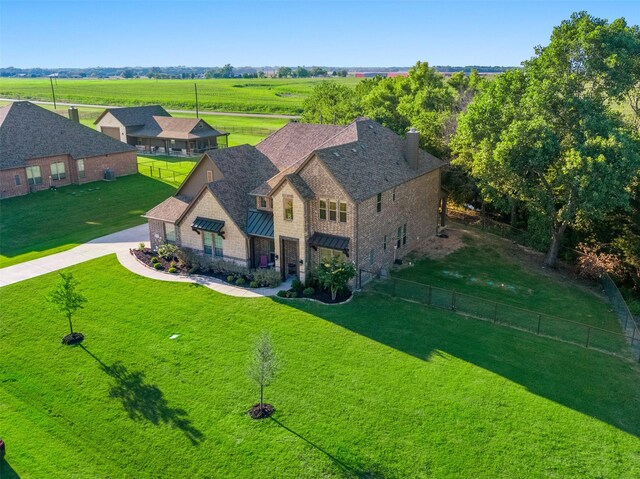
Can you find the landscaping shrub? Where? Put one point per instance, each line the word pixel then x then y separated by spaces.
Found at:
pixel 231 278
pixel 157 265
pixel 335 274
pixel 267 277
pixel 172 270
pixel 311 281
pixel 154 260
pixel 254 284
pixel 293 294
pixel 308 292
pixel 167 251
pixel 188 257
pixel 296 285
pixel 240 281
pixel 283 293
pixel 141 247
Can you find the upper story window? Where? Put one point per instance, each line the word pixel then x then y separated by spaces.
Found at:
pixel 34 175
pixel 287 201
pixel 379 203
pixel 209 176
pixel 265 203
pixel 343 212
pixel 58 171
pixel 323 209
pixel 333 210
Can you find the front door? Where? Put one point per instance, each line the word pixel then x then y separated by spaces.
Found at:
pixel 289 261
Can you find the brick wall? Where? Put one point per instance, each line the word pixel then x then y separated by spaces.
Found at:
pixel 416 204
pixel 234 245
pixel 121 164
pixel 290 229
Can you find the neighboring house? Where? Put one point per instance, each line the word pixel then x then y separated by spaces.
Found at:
pixel 40 149
pixel 305 193
pixel 151 129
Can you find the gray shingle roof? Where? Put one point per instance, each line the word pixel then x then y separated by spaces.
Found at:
pixel 135 115
pixel 170 209
pixel 243 169
pixel 178 128
pixel 28 131
pixel 295 141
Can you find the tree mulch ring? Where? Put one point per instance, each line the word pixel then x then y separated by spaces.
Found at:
pixel 261 412
pixel 73 338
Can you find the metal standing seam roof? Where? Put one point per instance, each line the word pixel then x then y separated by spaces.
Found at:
pixel 260 223
pixel 207 224
pixel 323 240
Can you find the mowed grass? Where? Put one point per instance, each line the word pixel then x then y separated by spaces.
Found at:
pixel 48 222
pixel 373 388
pixel 269 95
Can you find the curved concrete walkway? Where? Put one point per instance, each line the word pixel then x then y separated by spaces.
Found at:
pixel 130 262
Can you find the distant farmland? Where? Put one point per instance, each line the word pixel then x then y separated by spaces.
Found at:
pixel 284 96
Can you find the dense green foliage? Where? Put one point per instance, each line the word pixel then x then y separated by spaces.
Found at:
pixel 65 298
pixel 264 95
pixel 372 388
pixel 48 222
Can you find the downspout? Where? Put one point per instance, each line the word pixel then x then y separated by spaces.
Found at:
pixel 357 248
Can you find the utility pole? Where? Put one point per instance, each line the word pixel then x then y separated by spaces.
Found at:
pixel 195 85
pixel 53 92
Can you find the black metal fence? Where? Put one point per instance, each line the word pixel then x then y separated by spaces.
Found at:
pixel 627 321
pixel 167 174
pixel 535 322
pixel 246 130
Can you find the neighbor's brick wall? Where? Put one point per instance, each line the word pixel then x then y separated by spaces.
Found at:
pixel 8 186
pixel 121 164
pixel 416 204
pixel 290 229
pixel 234 246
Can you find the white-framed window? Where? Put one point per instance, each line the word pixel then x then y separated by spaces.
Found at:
pixel 57 171
pixel 34 175
pixel 170 233
pixel 333 210
pixel 81 172
pixel 323 209
pixel 342 213
pixel 18 180
pixel 326 254
pixel 287 203
pixel 265 203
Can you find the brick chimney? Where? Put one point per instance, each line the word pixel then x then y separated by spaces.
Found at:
pixel 412 145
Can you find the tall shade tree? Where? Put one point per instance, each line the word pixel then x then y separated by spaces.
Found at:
pixel 65 298
pixel 329 100
pixel 547 136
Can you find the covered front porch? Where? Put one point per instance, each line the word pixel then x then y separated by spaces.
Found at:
pixel 178 147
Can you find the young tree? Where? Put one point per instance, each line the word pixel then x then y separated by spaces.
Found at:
pixel 65 298
pixel 335 274
pixel 263 368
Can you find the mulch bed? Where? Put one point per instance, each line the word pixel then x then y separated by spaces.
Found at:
pixel 325 296
pixel 144 256
pixel 261 412
pixel 73 338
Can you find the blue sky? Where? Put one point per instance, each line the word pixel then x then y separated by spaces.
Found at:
pixel 346 33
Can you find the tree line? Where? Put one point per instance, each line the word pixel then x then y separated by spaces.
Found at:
pixel 553 146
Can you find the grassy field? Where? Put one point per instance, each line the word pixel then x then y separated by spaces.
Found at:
pixel 168 169
pixel 269 95
pixel 375 388
pixel 48 222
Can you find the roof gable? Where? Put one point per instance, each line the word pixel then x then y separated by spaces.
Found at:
pixel 134 115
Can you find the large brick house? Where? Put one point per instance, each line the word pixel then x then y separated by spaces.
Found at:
pixel 151 129
pixel 304 193
pixel 40 149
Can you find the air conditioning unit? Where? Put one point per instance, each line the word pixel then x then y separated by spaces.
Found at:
pixel 109 175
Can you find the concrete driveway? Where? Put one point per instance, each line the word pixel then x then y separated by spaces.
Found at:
pixel 122 240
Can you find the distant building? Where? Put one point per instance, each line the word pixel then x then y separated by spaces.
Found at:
pixel 151 129
pixel 41 149
pixel 382 74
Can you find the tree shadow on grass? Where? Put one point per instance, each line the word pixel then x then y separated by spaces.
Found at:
pixel 6 471
pixel 596 384
pixel 349 471
pixel 146 402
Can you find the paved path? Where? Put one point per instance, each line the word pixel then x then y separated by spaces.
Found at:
pixel 220 113
pixel 120 243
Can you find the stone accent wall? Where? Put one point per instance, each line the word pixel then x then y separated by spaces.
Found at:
pixel 416 204
pixel 290 229
pixel 234 246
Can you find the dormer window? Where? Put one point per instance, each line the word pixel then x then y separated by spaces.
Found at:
pixel 265 203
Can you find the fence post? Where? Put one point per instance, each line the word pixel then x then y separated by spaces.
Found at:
pixel 151 171
pixel 588 336
pixel 539 320
pixel 429 295
pixel 453 300
pixel 495 313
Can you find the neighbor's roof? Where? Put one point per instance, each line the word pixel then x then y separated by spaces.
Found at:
pixel 178 128
pixel 375 162
pixel 28 131
pixel 243 169
pixel 170 209
pixel 134 115
pixel 295 141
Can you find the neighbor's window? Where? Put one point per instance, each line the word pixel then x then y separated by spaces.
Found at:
pixel 393 196
pixel 384 243
pixel 379 203
pixel 34 175
pixel 170 233
pixel 18 181
pixel 207 241
pixel 209 176
pixel 288 207
pixel 323 209
pixel 81 172
pixel 399 241
pixel 57 171
pixel 343 212
pixel 404 234
pixel 218 245
pixel 333 210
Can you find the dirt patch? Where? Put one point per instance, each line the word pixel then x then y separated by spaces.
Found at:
pixel 263 411
pixel 73 338
pixel 441 247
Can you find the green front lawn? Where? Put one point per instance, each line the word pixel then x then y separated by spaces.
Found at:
pixel 48 222
pixel 374 388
